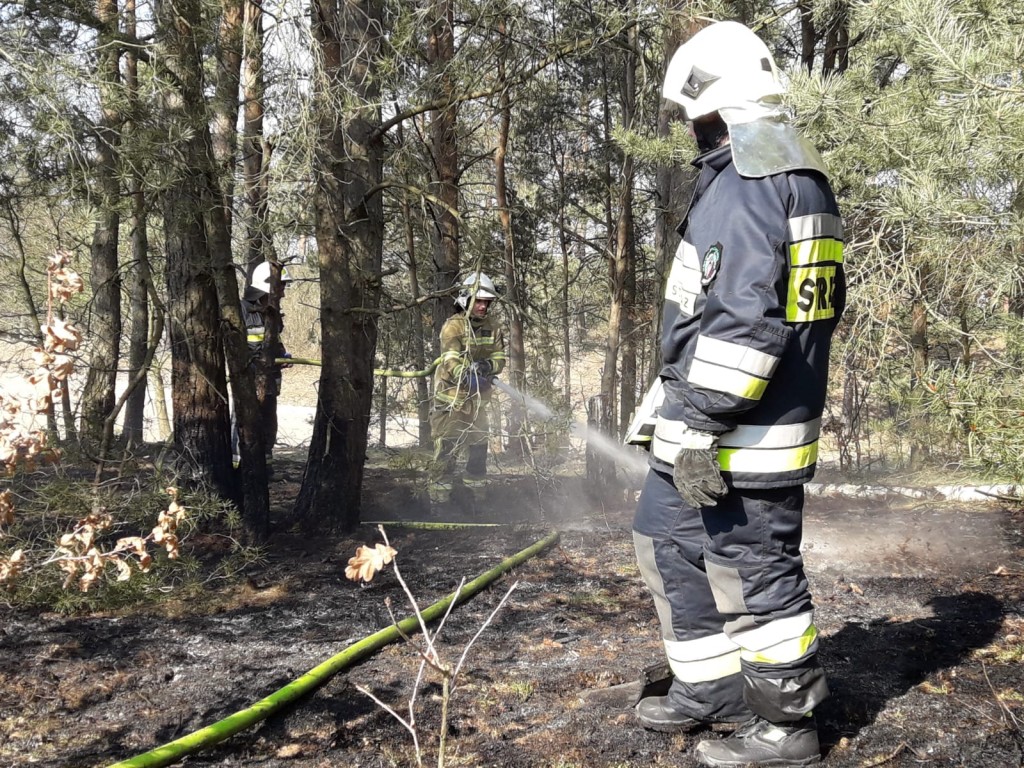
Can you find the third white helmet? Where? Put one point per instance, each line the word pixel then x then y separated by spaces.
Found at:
pixel 723 66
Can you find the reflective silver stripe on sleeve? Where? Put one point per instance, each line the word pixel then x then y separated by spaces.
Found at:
pixel 684 278
pixel 735 369
pixel 814 226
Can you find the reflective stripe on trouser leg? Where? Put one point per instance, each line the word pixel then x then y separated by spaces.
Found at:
pixel 668 538
pixel 757 577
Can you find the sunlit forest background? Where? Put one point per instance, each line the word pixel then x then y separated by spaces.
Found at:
pixel 383 149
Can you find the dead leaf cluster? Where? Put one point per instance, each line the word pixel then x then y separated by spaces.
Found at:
pixel 80 555
pixel 64 282
pixel 21 446
pixel 367 561
pixel 165 532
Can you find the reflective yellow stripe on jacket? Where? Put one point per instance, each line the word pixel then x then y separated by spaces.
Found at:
pixel 815 253
pixel 749 448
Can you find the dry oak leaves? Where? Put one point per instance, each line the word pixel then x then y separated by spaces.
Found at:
pixel 367 561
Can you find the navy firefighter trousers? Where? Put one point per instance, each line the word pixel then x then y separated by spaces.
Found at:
pixel 732 598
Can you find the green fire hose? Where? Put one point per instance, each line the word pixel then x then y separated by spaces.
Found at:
pixel 174 751
pixel 393 372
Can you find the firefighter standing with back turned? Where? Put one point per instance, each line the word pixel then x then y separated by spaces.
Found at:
pixel 472 354
pixel 753 296
pixel 259 312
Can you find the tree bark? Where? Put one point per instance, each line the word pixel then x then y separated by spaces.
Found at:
pixel 105 322
pixel 350 231
pixel 221 160
pixel 558 160
pixel 625 245
pixel 445 148
pixel 255 148
pixel 514 291
pixel 616 269
pixel 417 321
pixel 201 420
pixel 808 36
pixel 139 280
pixel 919 447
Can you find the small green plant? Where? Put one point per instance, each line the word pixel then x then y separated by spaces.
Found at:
pixel 517 689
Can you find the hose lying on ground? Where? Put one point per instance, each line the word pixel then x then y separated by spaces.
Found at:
pixel 393 372
pixel 174 751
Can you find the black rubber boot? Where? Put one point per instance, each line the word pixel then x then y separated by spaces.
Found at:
pixel 656 714
pixel 476 460
pixel 760 743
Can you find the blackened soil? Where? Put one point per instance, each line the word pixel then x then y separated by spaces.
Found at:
pixel 919 606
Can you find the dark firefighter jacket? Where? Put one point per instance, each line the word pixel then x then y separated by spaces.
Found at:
pixel 754 293
pixel 256 313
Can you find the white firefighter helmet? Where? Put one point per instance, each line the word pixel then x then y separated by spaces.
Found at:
pixel 726 68
pixel 724 65
pixel 477 285
pixel 261 276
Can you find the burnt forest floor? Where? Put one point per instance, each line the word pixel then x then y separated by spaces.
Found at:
pixel 919 604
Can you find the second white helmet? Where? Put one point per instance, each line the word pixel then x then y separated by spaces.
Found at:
pixel 723 66
pixel 261 276
pixel 476 285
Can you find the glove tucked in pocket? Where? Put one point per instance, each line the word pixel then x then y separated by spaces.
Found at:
pixel 693 455
pixel 698 477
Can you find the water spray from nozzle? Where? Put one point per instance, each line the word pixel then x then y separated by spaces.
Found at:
pixel 627 458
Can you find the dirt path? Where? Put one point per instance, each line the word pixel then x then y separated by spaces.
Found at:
pixel 919 604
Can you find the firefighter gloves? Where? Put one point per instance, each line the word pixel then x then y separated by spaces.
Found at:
pixel 698 478
pixel 483 368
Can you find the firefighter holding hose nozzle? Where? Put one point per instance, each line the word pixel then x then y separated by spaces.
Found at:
pixel 472 354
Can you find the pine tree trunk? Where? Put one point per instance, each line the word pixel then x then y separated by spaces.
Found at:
pixel 201 420
pixel 445 150
pixel 350 229
pixel 139 279
pixel 919 447
pixel 625 245
pixel 256 150
pixel 250 419
pixel 418 321
pixel 105 322
pixel 514 298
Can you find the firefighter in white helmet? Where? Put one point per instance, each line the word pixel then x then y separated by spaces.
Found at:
pixel 472 354
pixel 259 313
pixel 753 296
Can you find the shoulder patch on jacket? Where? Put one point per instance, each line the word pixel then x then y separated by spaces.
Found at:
pixel 710 263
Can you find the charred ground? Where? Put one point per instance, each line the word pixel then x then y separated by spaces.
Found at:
pixel 919 604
